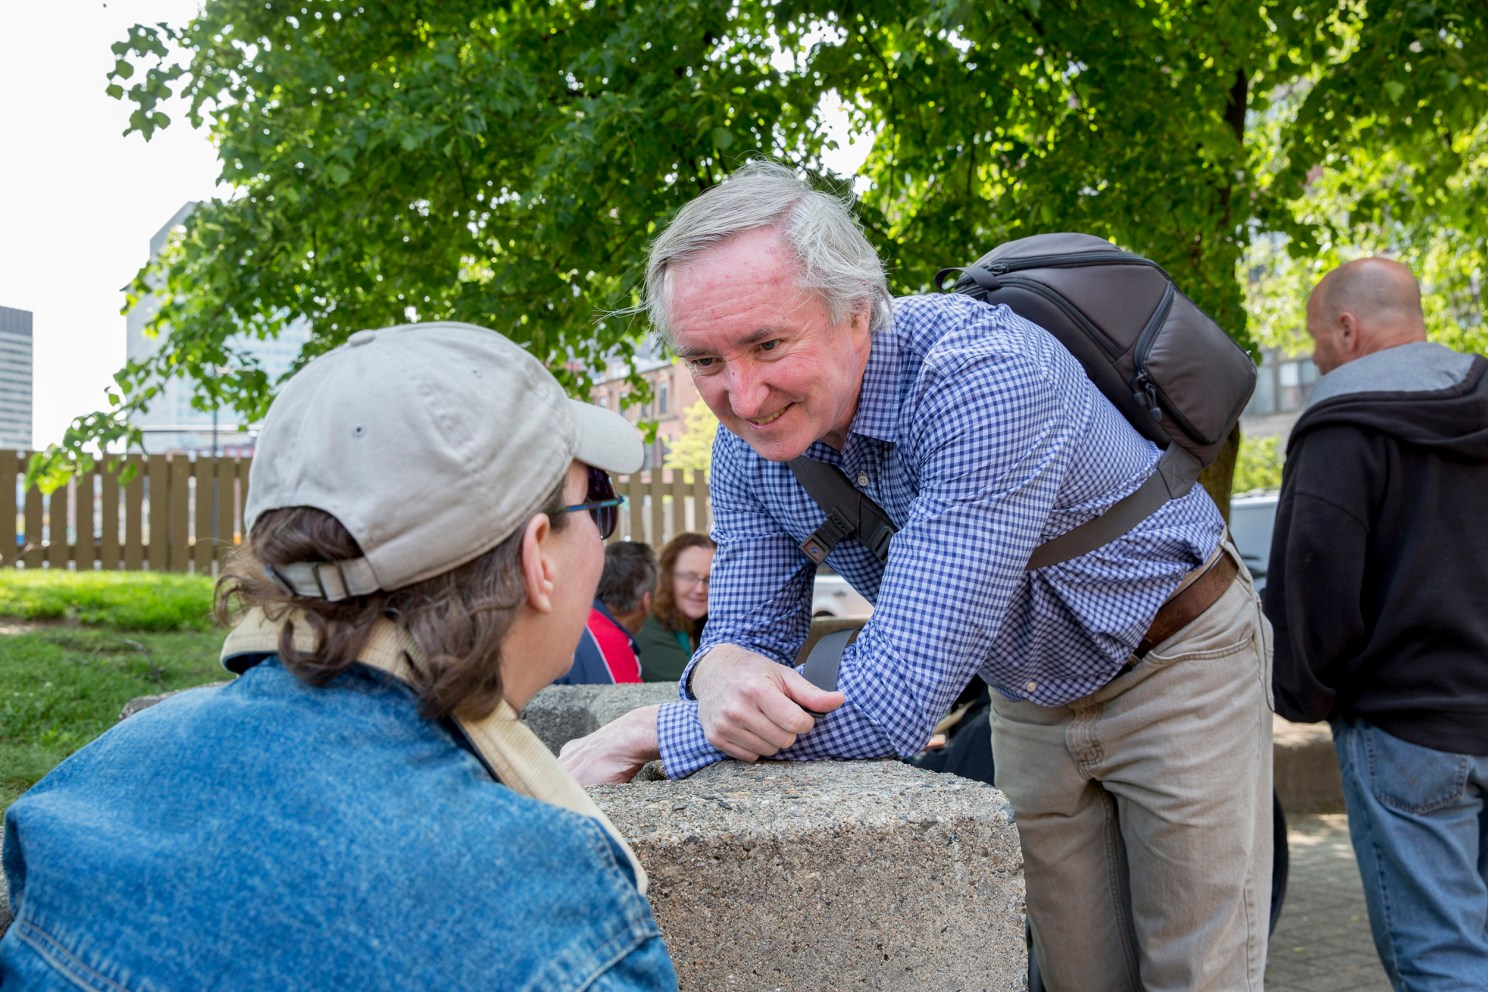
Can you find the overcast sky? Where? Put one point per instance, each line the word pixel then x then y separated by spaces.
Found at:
pixel 79 202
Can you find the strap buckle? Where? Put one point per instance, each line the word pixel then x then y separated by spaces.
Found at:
pixel 328 578
pixel 825 538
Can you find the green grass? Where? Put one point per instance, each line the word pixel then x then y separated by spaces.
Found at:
pixel 85 645
pixel 128 600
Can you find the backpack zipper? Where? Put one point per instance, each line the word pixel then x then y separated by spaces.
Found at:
pixel 1112 257
pixel 1148 393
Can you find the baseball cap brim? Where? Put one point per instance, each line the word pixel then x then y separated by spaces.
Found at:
pixel 606 440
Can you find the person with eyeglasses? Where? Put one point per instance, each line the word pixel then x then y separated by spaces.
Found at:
pixel 675 627
pixel 361 807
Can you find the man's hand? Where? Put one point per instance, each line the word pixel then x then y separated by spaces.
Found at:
pixel 752 707
pixel 614 752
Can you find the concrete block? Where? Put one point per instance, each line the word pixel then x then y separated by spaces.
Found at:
pixel 560 713
pixel 804 876
pixel 1306 768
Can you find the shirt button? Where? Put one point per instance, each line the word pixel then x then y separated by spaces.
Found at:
pixel 1030 686
pixel 862 478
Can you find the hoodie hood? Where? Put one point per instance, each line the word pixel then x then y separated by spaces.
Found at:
pixel 1422 393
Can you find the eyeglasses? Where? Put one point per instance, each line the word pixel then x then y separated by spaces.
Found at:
pixel 602 503
pixel 692 579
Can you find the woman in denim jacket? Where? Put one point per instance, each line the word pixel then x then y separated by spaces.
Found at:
pixel 361 808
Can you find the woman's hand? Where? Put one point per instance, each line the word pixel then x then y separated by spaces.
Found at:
pixel 614 752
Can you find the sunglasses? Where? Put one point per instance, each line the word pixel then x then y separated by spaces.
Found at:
pixel 601 502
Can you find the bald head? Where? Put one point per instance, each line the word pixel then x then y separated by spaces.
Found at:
pixel 1362 307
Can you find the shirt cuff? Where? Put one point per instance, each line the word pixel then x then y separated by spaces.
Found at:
pixel 680 738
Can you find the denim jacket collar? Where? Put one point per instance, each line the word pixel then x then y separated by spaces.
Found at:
pixel 506 745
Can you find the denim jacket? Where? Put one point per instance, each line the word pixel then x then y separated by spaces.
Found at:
pixel 271 835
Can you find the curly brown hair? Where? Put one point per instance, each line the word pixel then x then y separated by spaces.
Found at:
pixel 664 603
pixel 458 619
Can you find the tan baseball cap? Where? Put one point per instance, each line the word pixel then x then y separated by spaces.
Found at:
pixel 430 443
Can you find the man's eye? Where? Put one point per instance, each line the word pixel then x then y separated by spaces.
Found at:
pixel 702 364
pixel 769 345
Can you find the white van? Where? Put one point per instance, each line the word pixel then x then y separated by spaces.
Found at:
pixel 1252 516
pixel 831 596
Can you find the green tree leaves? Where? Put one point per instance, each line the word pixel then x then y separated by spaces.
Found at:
pixel 507 164
pixel 693 448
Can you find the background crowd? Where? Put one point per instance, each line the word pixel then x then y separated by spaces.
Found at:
pixel 648 613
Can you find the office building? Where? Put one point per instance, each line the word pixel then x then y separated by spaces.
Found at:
pixel 172 423
pixel 16 365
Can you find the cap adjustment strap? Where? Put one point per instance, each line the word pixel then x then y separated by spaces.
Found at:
pixel 329 580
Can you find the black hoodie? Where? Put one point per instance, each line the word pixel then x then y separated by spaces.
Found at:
pixel 1378 580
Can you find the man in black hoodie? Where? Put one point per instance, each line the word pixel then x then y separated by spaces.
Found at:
pixel 1378 592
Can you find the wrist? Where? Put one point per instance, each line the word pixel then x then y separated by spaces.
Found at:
pixel 644 736
pixel 688 691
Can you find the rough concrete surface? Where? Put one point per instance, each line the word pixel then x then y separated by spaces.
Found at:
pixel 560 713
pixel 804 877
pixel 1307 777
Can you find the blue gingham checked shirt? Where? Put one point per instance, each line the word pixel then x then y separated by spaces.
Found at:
pixel 982 437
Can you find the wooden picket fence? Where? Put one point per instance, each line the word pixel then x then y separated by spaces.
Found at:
pixel 662 503
pixel 182 513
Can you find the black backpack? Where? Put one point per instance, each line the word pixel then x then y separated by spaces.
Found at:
pixel 1163 362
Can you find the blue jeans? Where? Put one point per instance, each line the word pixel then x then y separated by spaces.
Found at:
pixel 1419 826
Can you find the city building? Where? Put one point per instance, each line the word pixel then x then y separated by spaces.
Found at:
pixel 16 364
pixel 172 423
pixel 1283 383
pixel 672 392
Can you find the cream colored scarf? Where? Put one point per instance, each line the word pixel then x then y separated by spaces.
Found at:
pixel 521 761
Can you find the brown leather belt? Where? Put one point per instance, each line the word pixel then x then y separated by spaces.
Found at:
pixel 1185 607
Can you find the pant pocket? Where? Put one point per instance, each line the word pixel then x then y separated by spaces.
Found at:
pixel 1266 645
pixel 1411 778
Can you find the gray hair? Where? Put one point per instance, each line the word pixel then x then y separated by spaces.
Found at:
pixel 837 262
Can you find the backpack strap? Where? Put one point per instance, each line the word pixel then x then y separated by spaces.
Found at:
pixel 820 667
pixel 849 511
pixel 1174 476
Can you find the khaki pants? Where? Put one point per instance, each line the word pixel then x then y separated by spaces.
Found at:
pixel 1144 812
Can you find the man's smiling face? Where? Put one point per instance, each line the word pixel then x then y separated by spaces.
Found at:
pixel 764 354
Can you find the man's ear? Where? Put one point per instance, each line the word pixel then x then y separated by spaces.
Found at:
pixel 1349 336
pixel 537 572
pixel 646 601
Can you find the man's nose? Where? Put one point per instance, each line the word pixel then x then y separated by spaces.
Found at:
pixel 747 391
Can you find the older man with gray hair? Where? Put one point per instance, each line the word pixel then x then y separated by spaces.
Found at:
pixel 1130 719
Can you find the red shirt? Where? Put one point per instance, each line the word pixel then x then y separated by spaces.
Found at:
pixel 606 653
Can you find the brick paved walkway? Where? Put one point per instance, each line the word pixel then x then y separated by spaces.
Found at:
pixel 1322 941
